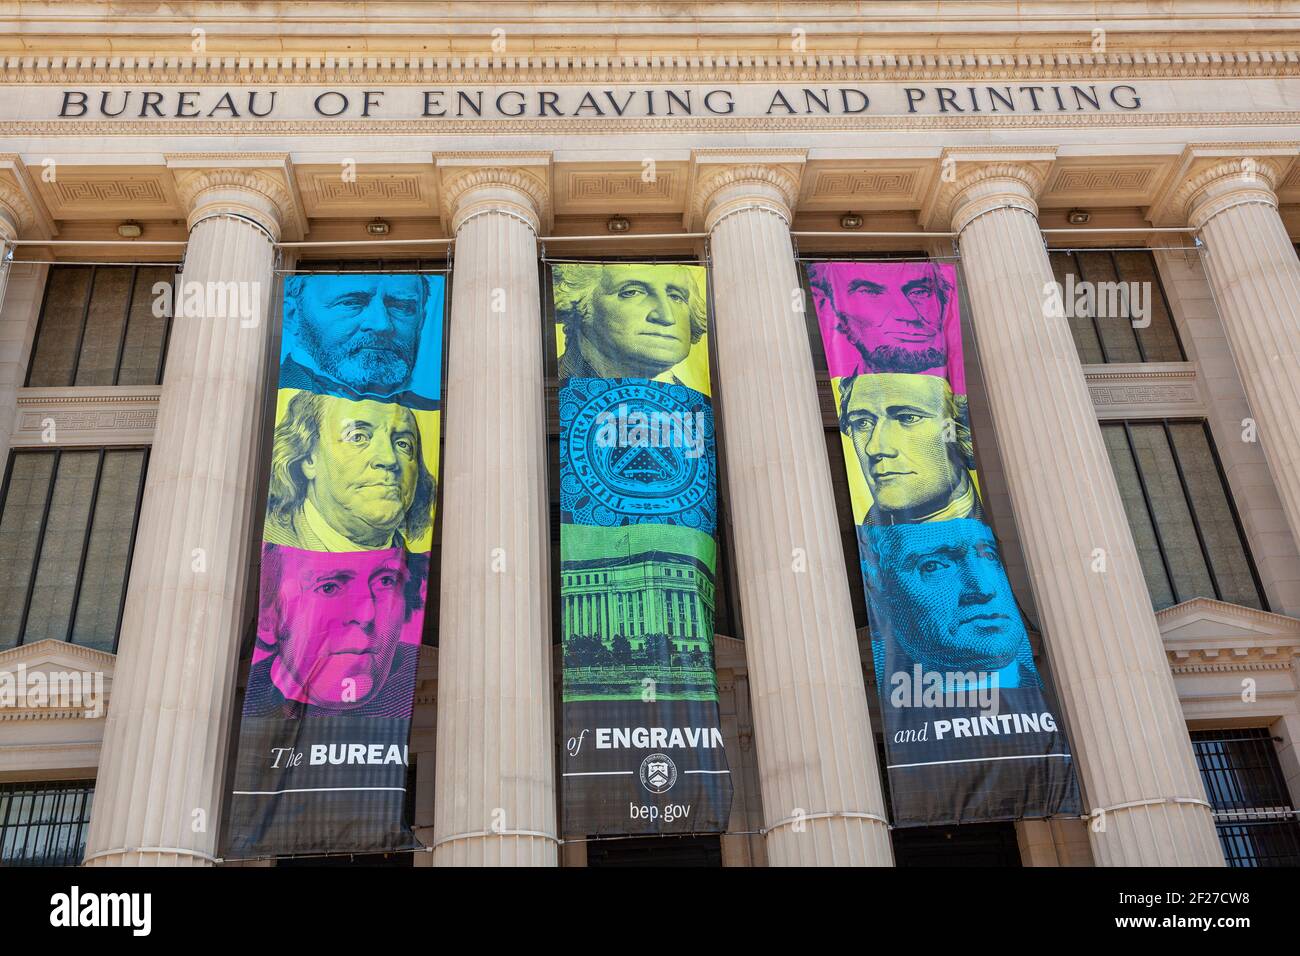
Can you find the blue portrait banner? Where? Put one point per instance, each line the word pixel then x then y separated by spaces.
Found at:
pixel 322 760
pixel 971 731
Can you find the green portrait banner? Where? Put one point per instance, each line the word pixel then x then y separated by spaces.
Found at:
pixel 643 750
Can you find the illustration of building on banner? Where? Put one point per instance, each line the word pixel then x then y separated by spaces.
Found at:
pixel 322 760
pixel 638 512
pixel 970 733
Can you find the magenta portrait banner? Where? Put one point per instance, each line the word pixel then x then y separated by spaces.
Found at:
pixel 971 731
pixel 323 762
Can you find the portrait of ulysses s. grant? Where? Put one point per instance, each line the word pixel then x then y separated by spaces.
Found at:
pixel 632 320
pixel 364 335
pixel 351 475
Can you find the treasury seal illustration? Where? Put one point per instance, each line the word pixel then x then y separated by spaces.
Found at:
pixel 636 451
pixel 658 773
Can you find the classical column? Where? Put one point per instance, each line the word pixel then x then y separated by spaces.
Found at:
pixel 1132 751
pixel 162 768
pixel 495 802
pixel 816 755
pixel 1255 276
pixel 14 211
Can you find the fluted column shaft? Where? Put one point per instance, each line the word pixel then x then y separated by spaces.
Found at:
pixel 10 345
pixel 495 799
pixel 1130 741
pixel 822 800
pixel 1255 275
pixel 162 768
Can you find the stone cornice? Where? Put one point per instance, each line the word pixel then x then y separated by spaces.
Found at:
pixel 417 68
pixel 678 124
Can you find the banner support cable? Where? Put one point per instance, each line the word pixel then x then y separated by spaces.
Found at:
pixel 477 834
pixel 826 815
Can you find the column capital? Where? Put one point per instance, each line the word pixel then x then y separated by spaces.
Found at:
pixel 18 211
pixel 1213 178
pixel 511 183
pixel 726 180
pixel 976 180
pixel 257 186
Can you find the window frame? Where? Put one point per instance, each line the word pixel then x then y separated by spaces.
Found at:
pixel 135 268
pixel 1165 423
pixel 82 788
pixel 58 452
pixel 1073 254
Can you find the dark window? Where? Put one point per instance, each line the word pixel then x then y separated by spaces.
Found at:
pixel 656 851
pixel 972 844
pixel 1105 332
pixel 67 529
pixel 1186 529
pixel 1253 812
pixel 98 327
pixel 44 824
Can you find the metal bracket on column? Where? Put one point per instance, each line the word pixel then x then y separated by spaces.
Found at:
pixel 825 815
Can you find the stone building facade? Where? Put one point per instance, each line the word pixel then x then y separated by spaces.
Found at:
pixel 1143 477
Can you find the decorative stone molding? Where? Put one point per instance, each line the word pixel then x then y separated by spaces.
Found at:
pixel 20 211
pixel 516 183
pixel 86 416
pixel 419 68
pixel 260 186
pixel 51 657
pixel 974 180
pixel 1204 632
pixel 724 180
pixel 1146 389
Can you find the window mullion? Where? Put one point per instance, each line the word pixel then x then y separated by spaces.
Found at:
pixel 85 545
pixel 1151 513
pixel 40 546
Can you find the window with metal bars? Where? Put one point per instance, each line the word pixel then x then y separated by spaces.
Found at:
pixel 1253 811
pixel 1103 333
pixel 98 326
pixel 44 824
pixel 67 530
pixel 1188 534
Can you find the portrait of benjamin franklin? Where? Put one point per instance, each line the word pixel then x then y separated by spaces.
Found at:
pixel 347 476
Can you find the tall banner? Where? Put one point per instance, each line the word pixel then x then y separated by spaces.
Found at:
pixel 322 759
pixel 970 733
pixel 638 514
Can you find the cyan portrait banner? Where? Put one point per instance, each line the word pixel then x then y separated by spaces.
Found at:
pixel 643 747
pixel 970 732
pixel 322 759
